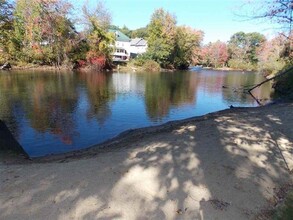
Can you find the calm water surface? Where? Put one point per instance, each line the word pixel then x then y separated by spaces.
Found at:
pixel 51 113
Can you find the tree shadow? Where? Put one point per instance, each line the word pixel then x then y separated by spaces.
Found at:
pixel 225 167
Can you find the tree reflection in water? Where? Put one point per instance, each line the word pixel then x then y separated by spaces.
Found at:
pixel 164 92
pixel 57 112
pixel 46 103
pixel 238 82
pixel 100 93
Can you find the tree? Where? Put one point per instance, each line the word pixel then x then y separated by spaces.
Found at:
pixel 277 11
pixel 5 11
pixel 59 33
pixel 99 39
pixel 98 14
pixel 125 30
pixel 215 54
pixel 170 45
pixel 186 42
pixel 140 33
pixel 271 55
pixel 42 31
pixel 6 28
pixel 255 41
pixel 243 48
pixel 161 40
pixel 6 19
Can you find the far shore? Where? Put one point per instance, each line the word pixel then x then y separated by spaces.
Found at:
pixel 227 69
pixel 41 67
pixel 231 164
pixel 117 68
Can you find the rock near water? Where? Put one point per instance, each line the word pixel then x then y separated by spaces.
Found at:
pixel 6 66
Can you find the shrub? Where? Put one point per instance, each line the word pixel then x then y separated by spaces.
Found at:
pixel 2 59
pixel 284 85
pixel 141 59
pixel 271 67
pixel 96 61
pixel 151 66
pixel 240 64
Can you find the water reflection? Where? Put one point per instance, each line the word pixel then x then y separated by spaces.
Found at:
pixel 58 112
pixel 126 83
pixel 100 93
pixel 8 103
pixel 162 91
pixel 52 107
pixel 45 103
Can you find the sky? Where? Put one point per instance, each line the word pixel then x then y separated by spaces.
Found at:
pixel 217 18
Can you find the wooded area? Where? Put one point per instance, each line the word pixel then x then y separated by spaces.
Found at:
pixel 45 33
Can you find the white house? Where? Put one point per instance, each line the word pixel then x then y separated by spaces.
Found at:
pixel 126 48
pixel 122 46
pixel 138 46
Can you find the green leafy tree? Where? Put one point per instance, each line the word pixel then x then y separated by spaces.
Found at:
pixel 125 30
pixel 169 45
pixel 255 41
pixel 6 28
pixel 140 33
pixel 162 36
pixel 186 42
pixel 42 31
pixel 114 27
pixel 243 48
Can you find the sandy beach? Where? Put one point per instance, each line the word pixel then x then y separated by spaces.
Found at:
pixel 225 165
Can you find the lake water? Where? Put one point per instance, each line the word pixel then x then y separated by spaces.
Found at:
pixel 51 113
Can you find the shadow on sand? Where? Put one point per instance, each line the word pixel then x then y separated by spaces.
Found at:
pixel 226 167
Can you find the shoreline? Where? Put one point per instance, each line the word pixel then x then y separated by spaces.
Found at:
pixel 38 67
pixel 115 142
pixel 126 137
pixel 232 164
pixel 121 68
pixel 228 69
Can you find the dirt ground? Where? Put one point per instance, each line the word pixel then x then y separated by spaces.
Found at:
pixel 226 165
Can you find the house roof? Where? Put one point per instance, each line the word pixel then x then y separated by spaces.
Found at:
pixel 134 41
pixel 142 43
pixel 138 42
pixel 120 36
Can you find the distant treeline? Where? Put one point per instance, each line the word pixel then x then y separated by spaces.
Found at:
pixel 44 33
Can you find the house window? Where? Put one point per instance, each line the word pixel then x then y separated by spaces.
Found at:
pixel 120 50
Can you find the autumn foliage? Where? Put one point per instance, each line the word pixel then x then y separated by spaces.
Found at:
pixel 97 62
pixel 214 54
pixel 43 32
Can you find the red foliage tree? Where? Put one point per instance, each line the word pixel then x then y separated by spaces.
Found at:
pixel 214 54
